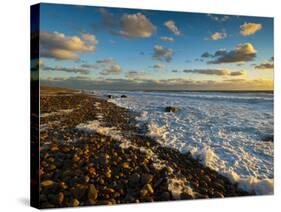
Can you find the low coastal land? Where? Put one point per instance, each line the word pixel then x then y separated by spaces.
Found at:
pixel 92 153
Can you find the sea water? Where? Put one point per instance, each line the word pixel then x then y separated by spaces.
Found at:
pixel 226 131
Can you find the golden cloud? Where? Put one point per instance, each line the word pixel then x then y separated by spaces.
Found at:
pixel 136 25
pixel 218 35
pixel 248 29
pixel 240 54
pixel 58 46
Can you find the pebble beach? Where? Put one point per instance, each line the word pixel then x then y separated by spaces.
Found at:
pixel 92 153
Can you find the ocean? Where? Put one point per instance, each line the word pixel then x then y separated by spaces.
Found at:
pixel 230 132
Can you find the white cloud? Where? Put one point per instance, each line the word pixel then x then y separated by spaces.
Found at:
pixel 167 39
pixel 107 66
pixel 159 66
pixel 171 25
pixel 137 75
pixel 218 18
pixel 77 70
pixel 162 53
pixel 217 72
pixel 90 38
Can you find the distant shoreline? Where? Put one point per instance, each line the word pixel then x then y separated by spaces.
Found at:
pixel 170 91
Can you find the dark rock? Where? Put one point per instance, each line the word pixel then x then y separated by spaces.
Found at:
pixel 52 198
pixel 218 194
pixel 165 196
pixel 158 182
pixel 185 195
pixel 146 178
pixel 219 186
pixel 109 96
pixel 123 96
pixel 268 138
pixel 207 179
pixel 171 109
pixel 201 196
pixel 79 191
pixel 134 179
pixel 129 198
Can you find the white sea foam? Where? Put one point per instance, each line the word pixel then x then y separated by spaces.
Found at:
pixel 224 131
pixel 46 126
pixel 59 112
pixel 97 127
pixel 177 186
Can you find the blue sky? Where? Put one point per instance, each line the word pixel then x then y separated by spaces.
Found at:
pixel 146 46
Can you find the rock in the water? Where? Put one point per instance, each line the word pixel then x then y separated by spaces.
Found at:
pixel 123 96
pixel 268 139
pixel 109 96
pixel 171 109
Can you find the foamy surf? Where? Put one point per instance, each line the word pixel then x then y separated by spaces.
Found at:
pixel 224 131
pixel 176 185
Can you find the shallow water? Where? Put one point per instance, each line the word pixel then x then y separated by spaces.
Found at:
pixel 225 131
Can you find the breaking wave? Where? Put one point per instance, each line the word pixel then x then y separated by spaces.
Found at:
pixel 224 131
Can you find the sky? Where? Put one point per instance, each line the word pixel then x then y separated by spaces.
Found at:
pixel 127 49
